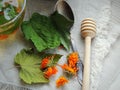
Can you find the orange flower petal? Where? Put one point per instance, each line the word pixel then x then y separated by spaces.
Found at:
pixel 54 70
pixel 73 59
pixel 61 81
pixel 67 68
pixel 44 63
pixel 50 71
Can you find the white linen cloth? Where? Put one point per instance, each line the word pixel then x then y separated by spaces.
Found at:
pixel 104 12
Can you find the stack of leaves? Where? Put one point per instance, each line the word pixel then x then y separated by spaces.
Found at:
pixel 47 32
pixel 33 67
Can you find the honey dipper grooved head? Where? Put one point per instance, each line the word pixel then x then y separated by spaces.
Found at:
pixel 88 28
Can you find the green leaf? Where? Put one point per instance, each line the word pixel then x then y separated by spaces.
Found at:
pixel 30 34
pixel 45 29
pixel 30 67
pixel 2 19
pixel 54 59
pixel 63 26
pixel 9 11
pixel 1 6
pixel 41 32
pixel 62 23
pixel 65 39
pixel 48 32
pixel 29 64
pixel 12 13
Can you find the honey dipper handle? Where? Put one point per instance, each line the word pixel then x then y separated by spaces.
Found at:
pixel 86 73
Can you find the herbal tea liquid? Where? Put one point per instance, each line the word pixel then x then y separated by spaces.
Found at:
pixel 10 16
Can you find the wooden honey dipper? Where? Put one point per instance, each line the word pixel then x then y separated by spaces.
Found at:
pixel 88 31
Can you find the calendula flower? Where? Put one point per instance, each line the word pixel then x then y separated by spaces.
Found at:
pixel 54 70
pixel 73 59
pixel 67 68
pixel 50 71
pixel 61 81
pixel 44 63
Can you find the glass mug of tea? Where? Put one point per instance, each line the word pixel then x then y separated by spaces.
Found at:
pixel 11 16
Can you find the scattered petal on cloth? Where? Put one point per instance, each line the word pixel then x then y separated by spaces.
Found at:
pixel 61 81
